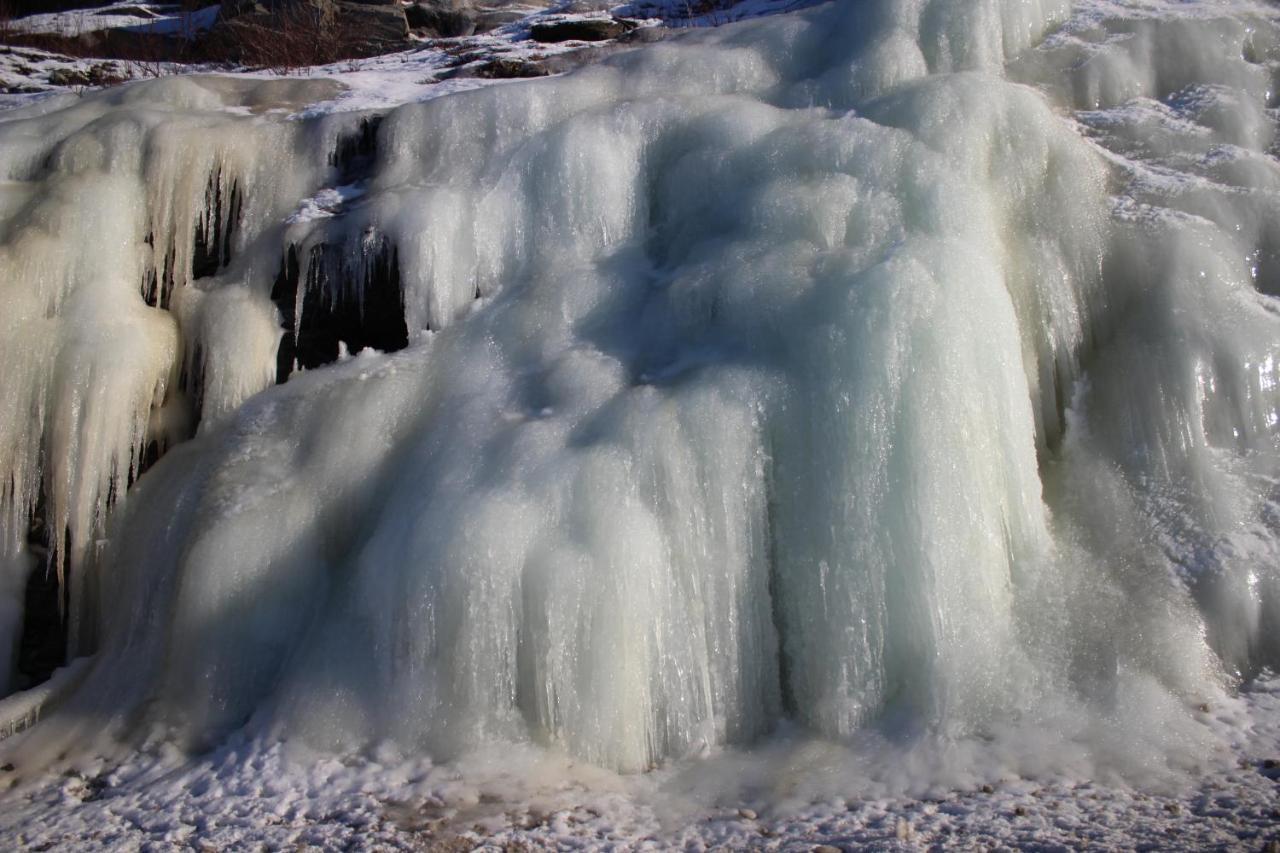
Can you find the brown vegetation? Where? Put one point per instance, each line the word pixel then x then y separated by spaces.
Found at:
pixel 296 35
pixel 291 35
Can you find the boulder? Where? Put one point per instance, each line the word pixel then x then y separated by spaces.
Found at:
pixel 507 69
pixel 441 19
pixel 581 29
pixel 454 18
pixel 98 74
pixel 68 77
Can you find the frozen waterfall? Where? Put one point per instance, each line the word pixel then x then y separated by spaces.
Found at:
pixel 898 366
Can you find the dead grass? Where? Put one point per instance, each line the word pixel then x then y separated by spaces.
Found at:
pixel 296 36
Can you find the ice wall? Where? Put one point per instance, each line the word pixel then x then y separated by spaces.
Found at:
pixel 885 367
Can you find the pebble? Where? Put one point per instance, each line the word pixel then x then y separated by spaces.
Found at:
pixel 903 830
pixel 827 848
pixel 747 814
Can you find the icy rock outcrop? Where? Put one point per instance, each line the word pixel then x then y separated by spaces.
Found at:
pixel 820 368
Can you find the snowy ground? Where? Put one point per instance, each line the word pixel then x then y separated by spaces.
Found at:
pixel 435 67
pixel 143 17
pixel 247 794
pixel 28 74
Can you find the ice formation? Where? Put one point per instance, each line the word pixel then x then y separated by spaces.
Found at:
pixel 900 366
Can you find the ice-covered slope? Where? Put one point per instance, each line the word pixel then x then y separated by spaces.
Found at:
pixel 878 369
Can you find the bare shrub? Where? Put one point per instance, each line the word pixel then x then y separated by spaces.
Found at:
pixel 6 20
pixel 293 36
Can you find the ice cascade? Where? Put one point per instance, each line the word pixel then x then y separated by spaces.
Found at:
pixel 905 366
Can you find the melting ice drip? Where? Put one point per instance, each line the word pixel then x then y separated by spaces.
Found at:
pixel 885 366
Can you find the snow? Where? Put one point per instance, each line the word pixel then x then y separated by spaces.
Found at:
pixel 803 424
pixel 433 68
pixel 327 202
pixel 22 710
pixel 258 792
pixel 167 19
pixel 25 74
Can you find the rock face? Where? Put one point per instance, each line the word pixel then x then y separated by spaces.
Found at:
pixel 299 32
pixel 373 21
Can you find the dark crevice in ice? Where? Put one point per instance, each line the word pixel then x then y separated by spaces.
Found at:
pixel 777 617
pixel 158 283
pixel 215 228
pixel 284 293
pixel 42 645
pixel 191 383
pixel 351 301
pixel 354 153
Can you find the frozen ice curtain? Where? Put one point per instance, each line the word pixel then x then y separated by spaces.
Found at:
pixel 878 367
